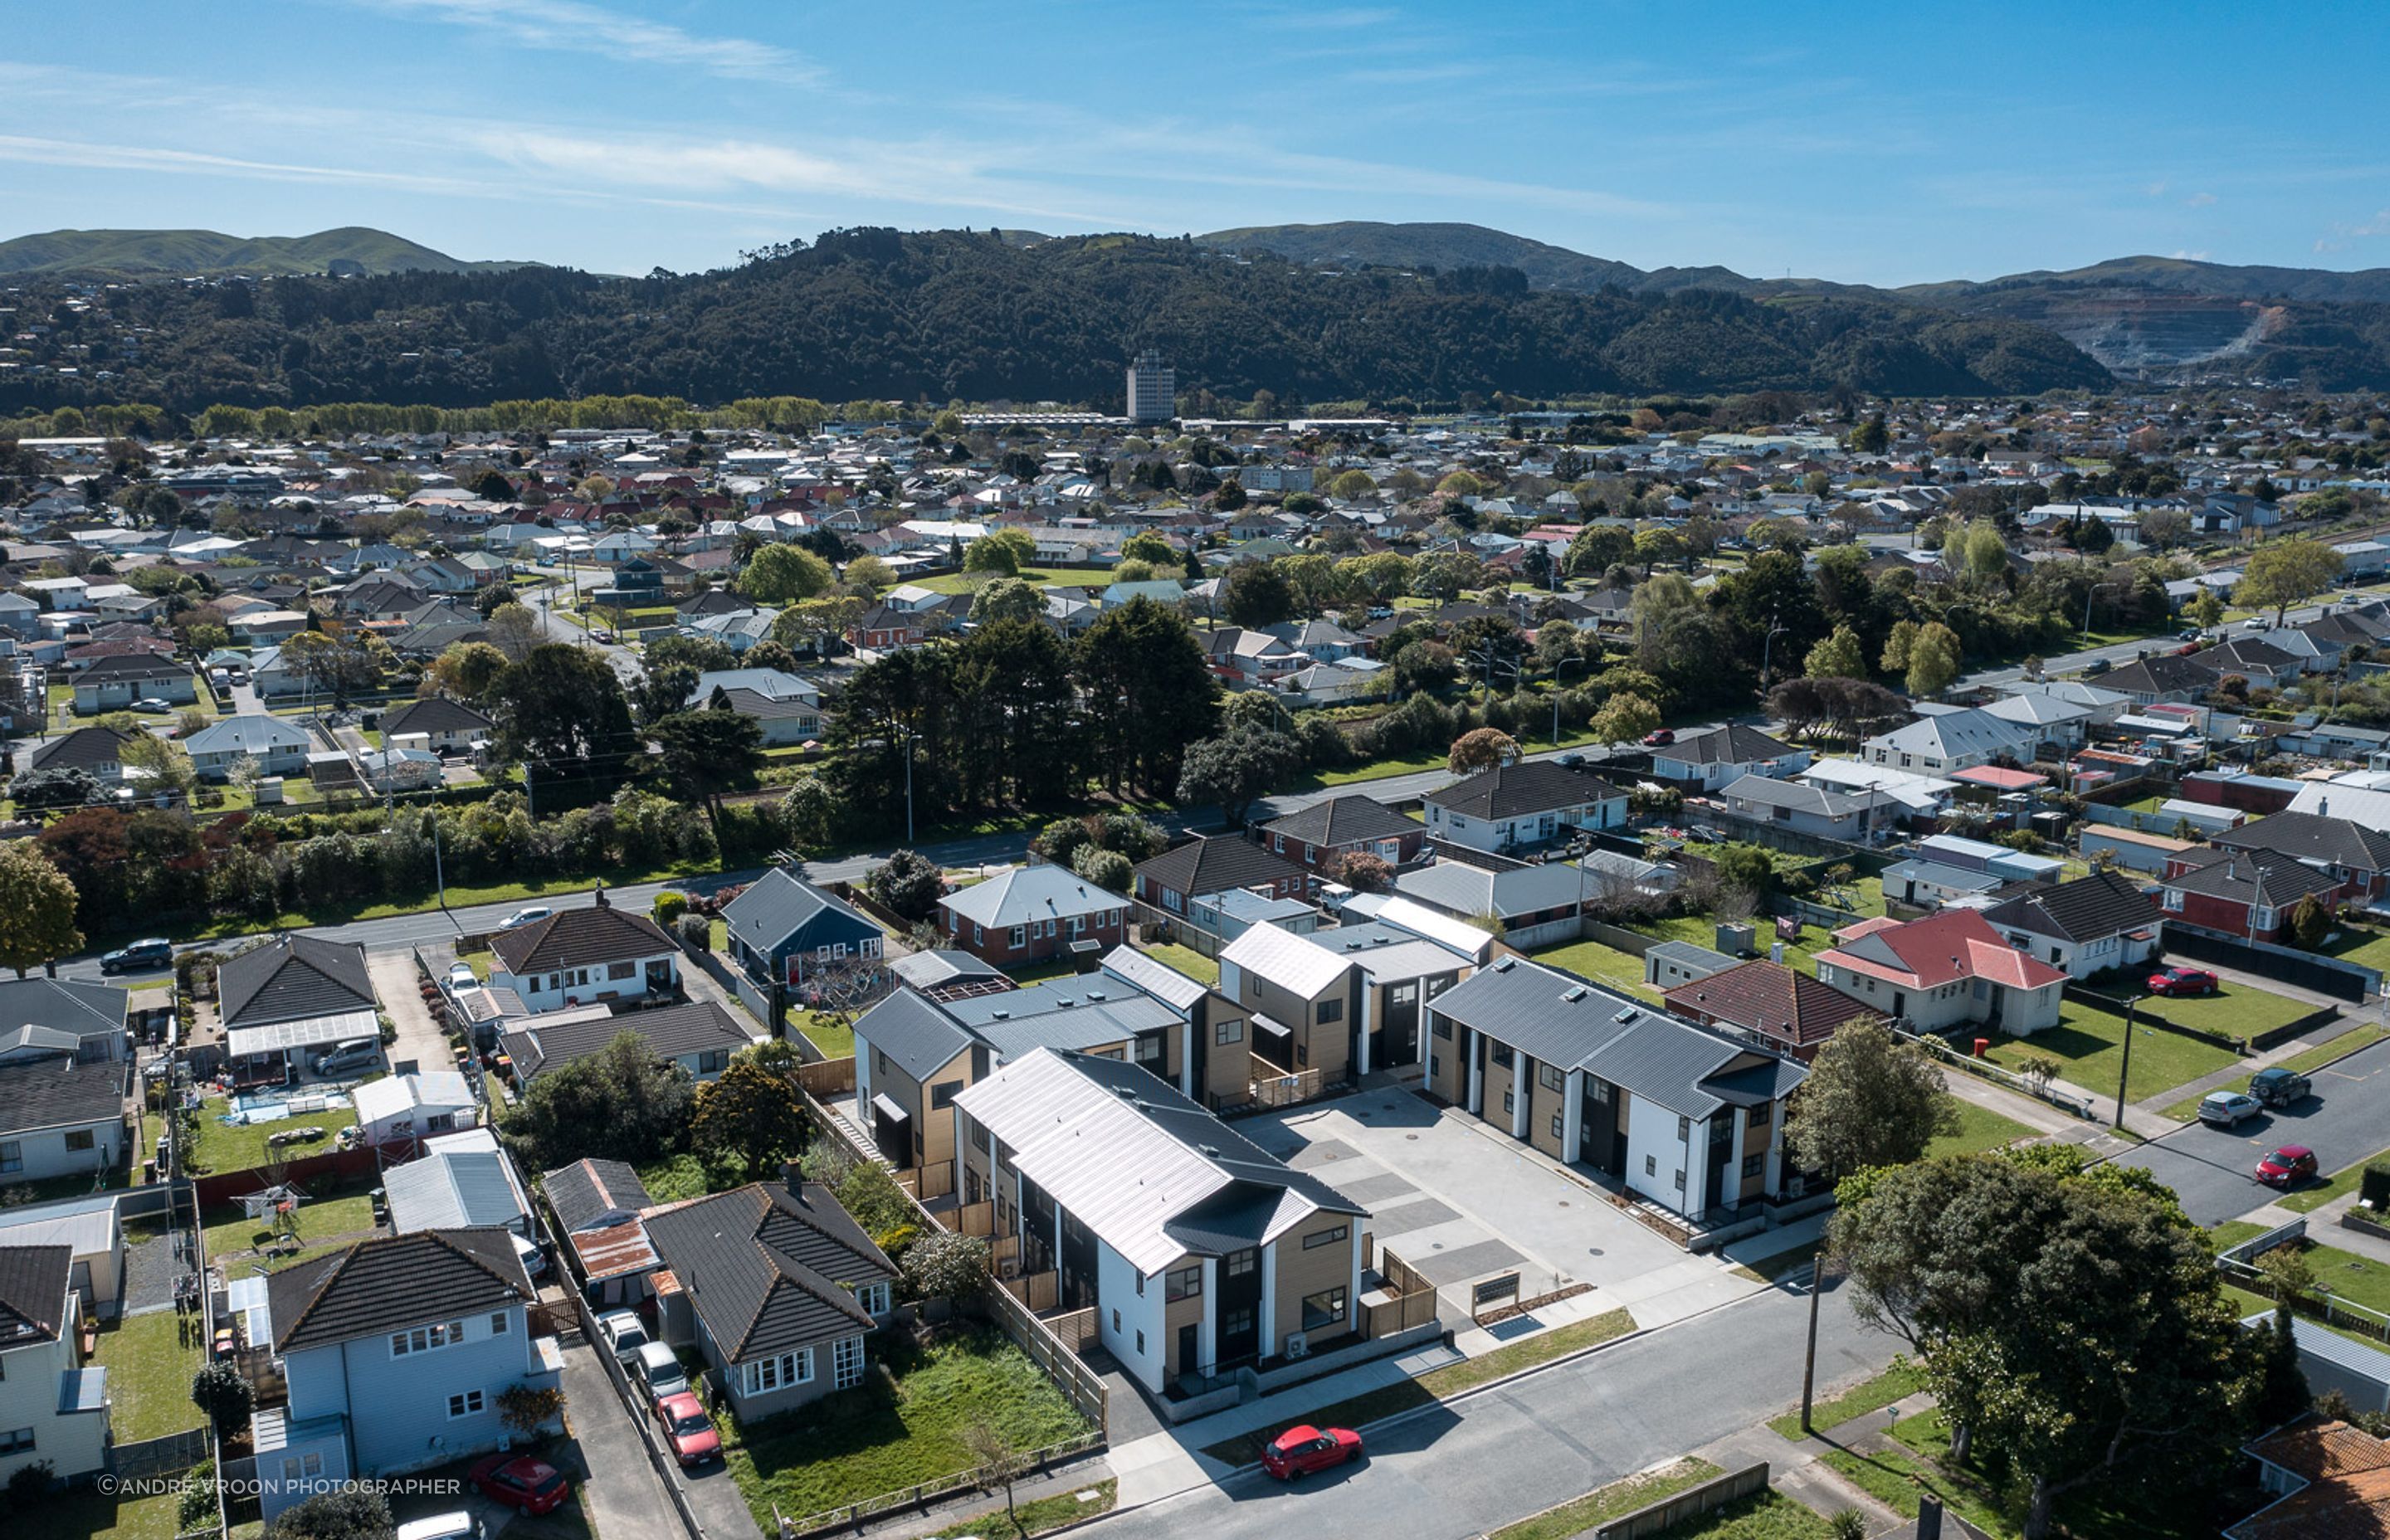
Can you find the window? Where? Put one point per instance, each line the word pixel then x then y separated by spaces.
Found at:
pixel 1019 936
pixel 1331 1010
pixel 1549 1075
pixel 1116 1326
pixel 467 1404
pixel 764 1374
pixel 1556 1125
pixel 12 1155
pixel 1509 1101
pixel 1141 1345
pixel 872 1297
pixel 1324 1237
pixel 1238 1263
pixel 1323 1309
pixel 423 1339
pixel 1237 1323
pixel 1226 1033
pixel 303 1468
pixel 79 1138
pixel 1680 1181
pixel 1185 1283
pixel 1503 1057
pixel 713 1061
pixel 1601 1093
pixel 1761 1115
pixel 15 1441
pixel 1684 1128
pixel 2174 899
pixel 1141 1285
pixel 497 1323
pixel 1752 1166
pixel 1651 1165
pixel 1435 1067
pixel 622 971
pixel 943 1093
pixel 1443 1028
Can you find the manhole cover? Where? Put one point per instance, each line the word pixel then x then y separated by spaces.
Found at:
pixel 1593 1251
pixel 1563 1203
pixel 1435 1245
pixel 1412 1138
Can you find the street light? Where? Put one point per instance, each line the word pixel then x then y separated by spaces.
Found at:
pixel 1768 649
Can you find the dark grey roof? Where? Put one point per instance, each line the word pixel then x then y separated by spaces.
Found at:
pixel 1731 744
pixel 576 937
pixel 59 1092
pixel 765 1265
pixel 916 1035
pixel 436 713
pixel 132 667
pixel 670 1032
pixel 33 1292
pixel 778 905
pixel 2314 836
pixel 1529 786
pixel 592 1194
pixel 2262 877
pixel 72 1005
pixel 291 978
pixel 372 1287
pixel 2163 675
pixel 1344 820
pixel 2085 909
pixel 1202 865
pixel 84 749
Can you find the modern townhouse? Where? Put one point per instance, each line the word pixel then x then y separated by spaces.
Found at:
pixel 1346 1001
pixel 1320 836
pixel 1948 969
pixel 697 1035
pixel 2083 927
pixel 396 1351
pixel 779 1288
pixel 1198 1250
pixel 1531 802
pixel 1675 1113
pixel 579 955
pixel 53 1410
pixel 1029 914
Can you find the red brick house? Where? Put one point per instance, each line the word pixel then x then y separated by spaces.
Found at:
pixel 1029 914
pixel 2241 893
pixel 1326 832
pixel 2356 857
pixel 1794 1012
pixel 884 626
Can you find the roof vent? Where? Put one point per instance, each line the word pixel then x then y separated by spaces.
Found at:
pixel 1379 941
pixel 1094 994
pixel 1125 1093
pixel 1211 1149
pixel 1504 966
pixel 1623 1017
pixel 1574 994
pixel 1001 1015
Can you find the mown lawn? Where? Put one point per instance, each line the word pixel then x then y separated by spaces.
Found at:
pixel 1761 1516
pixel 2315 1195
pixel 833 1038
pixel 2234 1010
pixel 227 1147
pixel 149 1366
pixel 2367 949
pixel 1194 964
pixel 2090 1047
pixel 1980 1128
pixel 86 1515
pixel 1593 959
pixel 901 1427
pixel 1900 1381
pixel 233 1237
pixel 1701 930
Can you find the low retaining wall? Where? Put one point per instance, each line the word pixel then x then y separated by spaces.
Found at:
pixel 1692 1503
pixel 2342 981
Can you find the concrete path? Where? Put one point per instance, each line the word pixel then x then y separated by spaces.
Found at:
pixel 397 985
pixel 2038 1115
pixel 623 1493
pixel 2237 1074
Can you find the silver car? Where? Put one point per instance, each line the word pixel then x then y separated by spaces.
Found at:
pixel 2228 1109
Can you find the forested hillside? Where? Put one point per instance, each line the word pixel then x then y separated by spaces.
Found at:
pixel 945 315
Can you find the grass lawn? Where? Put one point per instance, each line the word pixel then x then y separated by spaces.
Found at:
pixel 1603 1504
pixel 222 1146
pixel 1893 1384
pixel 900 1428
pixel 1701 930
pixel 1435 1384
pixel 1039 972
pixel 1594 960
pixel 149 1368
pixel 1781 1264
pixel 458 897
pixel 2365 947
pixel 1194 964
pixel 2234 1010
pixel 1980 1128
pixel 2315 1195
pixel 231 1234
pixel 834 1039
pixel 1038 1515
pixel 1895 1477
pixel 2232 1232
pixel 2358 1280
pixel 86 1515
pixel 1761 1516
pixel 2090 1047
pixel 1036 577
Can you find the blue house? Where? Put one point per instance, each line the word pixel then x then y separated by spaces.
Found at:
pixel 783 926
pixel 396 1351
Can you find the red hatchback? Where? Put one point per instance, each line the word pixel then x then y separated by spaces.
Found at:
pixel 2182 981
pixel 1659 738
pixel 1299 1451
pixel 688 1429
pixel 2288 1166
pixel 522 1482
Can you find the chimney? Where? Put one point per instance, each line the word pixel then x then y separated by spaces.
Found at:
pixel 600 898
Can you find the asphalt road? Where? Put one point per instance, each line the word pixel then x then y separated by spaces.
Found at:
pixel 2347 1120
pixel 1466 1469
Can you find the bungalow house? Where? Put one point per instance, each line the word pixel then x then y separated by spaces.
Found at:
pixel 782 925
pixel 1788 1011
pixel 2162 680
pixel 2355 855
pixel 1029 914
pixel 1530 802
pixel 1320 836
pixel 60 1115
pixel 2055 728
pixel 396 1351
pixel 2252 658
pixel 86 1019
pixel 1850 816
pixel 1949 968
pixel 404 1109
pixel 1677 1113
pixel 277 747
pixel 1947 741
pixel 1535 902
pixel 1198 1250
pixel 114 684
pixel 776 1285
pixel 1720 756
pixel 98 752
pixel 53 1411
pixel 2104 706
pixel 698 1036
pixel 446 724
pixel 1179 887
pixel 576 956
pixel 786 708
pixel 2083 927
pixel 291 999
pixel 2248 892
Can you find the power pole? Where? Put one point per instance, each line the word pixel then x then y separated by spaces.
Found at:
pixel 2125 1072
pixel 1810 1361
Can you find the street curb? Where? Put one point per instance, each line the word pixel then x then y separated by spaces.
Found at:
pixel 2327 1064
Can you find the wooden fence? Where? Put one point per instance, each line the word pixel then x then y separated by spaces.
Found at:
pixel 1271 1087
pixel 1412 1302
pixel 1692 1503
pixel 829 1078
pixel 1040 1291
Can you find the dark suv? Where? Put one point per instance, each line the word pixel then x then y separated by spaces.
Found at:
pixel 152 952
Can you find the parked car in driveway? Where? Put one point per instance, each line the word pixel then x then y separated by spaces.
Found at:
pixel 2278 1087
pixel 153 703
pixel 521 1482
pixel 152 952
pixel 2288 1166
pixel 657 1368
pixel 624 1333
pixel 1304 1448
pixel 461 976
pixel 1659 738
pixel 459 1525
pixel 2182 981
pixel 688 1429
pixel 2227 1109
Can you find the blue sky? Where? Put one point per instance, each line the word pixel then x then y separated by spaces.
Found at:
pixel 1884 144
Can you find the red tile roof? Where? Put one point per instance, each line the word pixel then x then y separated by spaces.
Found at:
pixel 1939 949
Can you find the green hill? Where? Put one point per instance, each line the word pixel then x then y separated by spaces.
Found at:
pixel 209 253
pixel 1368 243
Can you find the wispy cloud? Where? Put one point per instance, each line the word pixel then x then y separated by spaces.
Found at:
pixel 2198 200
pixel 1420 75
pixel 1306 19
pixel 119 157
pixel 571 26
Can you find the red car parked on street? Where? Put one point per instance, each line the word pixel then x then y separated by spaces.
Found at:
pixel 522 1482
pixel 1301 1450
pixel 2182 981
pixel 2288 1166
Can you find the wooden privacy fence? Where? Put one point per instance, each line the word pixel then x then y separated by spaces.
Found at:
pixel 829 1078
pixel 1692 1503
pixel 1039 1292
pixel 1272 1087
pixel 1410 1302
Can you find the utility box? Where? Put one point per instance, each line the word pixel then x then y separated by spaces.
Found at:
pixel 268 790
pixel 1738 941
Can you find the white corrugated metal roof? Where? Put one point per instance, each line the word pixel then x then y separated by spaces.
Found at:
pixel 307 1033
pixel 1420 920
pixel 1291 962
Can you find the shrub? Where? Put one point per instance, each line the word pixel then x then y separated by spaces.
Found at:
pixel 670 905
pixel 31 1480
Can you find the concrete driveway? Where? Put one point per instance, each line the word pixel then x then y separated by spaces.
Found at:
pixel 624 1494
pixel 1461 1203
pixel 420 1042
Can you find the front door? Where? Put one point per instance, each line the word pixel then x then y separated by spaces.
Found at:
pixel 1189 1338
pixel 1240 1324
pixel 1397 1041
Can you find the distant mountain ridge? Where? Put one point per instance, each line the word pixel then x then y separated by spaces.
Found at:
pixel 353 247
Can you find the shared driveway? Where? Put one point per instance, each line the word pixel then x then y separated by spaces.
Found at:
pixel 1462 1202
pixel 2347 1120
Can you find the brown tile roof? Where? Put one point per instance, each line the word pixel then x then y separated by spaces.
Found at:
pixel 2347 1495
pixel 575 938
pixel 1767 997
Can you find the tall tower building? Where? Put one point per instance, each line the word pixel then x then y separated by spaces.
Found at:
pixel 1152 388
